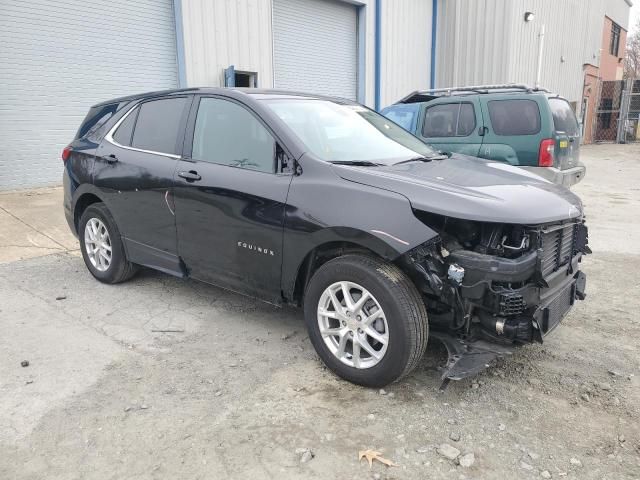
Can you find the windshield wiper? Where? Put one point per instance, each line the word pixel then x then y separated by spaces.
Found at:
pixel 357 163
pixel 423 159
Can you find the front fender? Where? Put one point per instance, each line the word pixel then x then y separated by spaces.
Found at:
pixel 324 208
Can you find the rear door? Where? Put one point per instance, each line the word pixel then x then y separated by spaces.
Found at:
pixel 452 125
pixel 566 133
pixel 514 129
pixel 134 170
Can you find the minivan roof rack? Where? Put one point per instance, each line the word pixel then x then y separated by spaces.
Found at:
pixel 420 95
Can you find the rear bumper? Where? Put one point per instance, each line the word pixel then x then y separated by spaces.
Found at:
pixel 567 177
pixel 67 200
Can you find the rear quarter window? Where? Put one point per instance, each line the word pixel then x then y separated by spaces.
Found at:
pixel 564 120
pixel 514 117
pixel 158 125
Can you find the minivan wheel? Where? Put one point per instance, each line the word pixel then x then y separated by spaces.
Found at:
pixel 366 320
pixel 101 246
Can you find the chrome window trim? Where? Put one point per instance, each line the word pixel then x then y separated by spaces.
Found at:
pixel 109 137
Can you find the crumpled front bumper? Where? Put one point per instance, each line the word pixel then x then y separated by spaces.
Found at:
pixel 467 357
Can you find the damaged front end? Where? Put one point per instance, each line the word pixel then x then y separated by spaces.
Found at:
pixel 491 287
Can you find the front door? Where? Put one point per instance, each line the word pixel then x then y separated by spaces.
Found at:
pixel 134 170
pixel 453 127
pixel 230 200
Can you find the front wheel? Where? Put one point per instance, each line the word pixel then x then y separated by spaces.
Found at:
pixel 366 320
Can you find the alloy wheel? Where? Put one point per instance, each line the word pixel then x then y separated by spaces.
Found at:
pixel 97 244
pixel 353 325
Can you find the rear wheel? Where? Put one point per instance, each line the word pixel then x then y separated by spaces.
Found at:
pixel 101 245
pixel 366 320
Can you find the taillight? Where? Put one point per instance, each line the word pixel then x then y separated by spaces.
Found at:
pixel 66 153
pixel 547 152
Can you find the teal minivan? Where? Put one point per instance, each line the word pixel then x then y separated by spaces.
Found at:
pixel 519 125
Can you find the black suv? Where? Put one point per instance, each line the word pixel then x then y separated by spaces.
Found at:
pixel 321 202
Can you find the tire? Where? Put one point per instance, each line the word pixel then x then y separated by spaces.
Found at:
pixel 119 269
pixel 404 319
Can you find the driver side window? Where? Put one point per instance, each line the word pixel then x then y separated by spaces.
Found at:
pixel 228 134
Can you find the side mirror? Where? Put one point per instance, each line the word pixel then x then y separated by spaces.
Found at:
pixel 284 164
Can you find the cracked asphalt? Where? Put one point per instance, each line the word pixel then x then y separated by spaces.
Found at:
pixel 168 378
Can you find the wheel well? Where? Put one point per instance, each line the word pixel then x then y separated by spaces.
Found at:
pixel 81 205
pixel 318 257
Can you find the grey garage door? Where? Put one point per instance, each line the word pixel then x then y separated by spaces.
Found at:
pixel 315 46
pixel 58 58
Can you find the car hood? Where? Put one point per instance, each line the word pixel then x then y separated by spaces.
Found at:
pixel 472 189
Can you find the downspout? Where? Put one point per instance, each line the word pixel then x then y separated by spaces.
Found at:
pixel 434 27
pixel 378 55
pixel 177 16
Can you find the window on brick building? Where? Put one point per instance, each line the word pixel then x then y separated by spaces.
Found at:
pixel 614 47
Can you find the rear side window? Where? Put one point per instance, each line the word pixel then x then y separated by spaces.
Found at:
pixel 449 120
pixel 564 120
pixel 229 134
pixel 96 117
pixel 514 117
pixel 402 115
pixel 125 131
pixel 158 125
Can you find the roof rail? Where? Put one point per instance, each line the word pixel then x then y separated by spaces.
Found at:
pixel 477 88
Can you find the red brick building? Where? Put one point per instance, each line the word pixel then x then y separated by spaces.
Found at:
pixel 614 41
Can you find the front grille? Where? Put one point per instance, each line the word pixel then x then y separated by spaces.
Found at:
pixel 557 248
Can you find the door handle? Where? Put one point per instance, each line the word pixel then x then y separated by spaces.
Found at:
pixel 110 158
pixel 190 176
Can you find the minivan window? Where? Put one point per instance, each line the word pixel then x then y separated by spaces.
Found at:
pixel 336 132
pixel 514 117
pixel 157 128
pixel 124 132
pixel 228 134
pixel 449 120
pixel 564 120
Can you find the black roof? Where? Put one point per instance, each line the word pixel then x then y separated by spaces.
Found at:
pixel 262 93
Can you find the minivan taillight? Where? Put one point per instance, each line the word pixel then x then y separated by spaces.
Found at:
pixel 66 153
pixel 547 152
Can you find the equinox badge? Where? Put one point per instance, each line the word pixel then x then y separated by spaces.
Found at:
pixel 255 248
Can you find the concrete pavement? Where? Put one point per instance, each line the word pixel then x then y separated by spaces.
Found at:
pixel 33 224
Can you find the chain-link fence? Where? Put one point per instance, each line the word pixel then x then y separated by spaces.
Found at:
pixel 617 116
pixel 608 112
pixel 631 128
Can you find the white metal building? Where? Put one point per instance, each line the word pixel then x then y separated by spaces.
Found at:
pixel 59 58
pixel 492 43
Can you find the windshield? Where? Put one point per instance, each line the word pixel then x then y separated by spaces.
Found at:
pixel 348 133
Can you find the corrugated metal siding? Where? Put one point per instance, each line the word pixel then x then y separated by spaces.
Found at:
pixel 618 11
pixel 487 41
pixel 58 59
pixel 573 35
pixel 406 48
pixel 227 32
pixel 473 42
pixel 315 46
